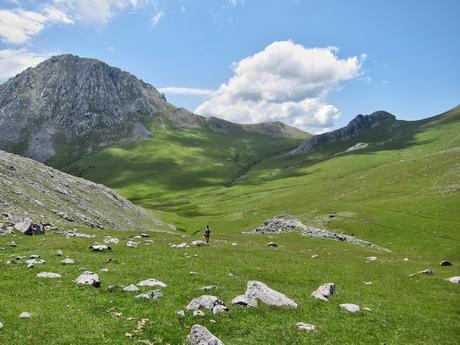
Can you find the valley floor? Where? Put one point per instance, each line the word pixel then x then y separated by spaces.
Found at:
pixel 404 310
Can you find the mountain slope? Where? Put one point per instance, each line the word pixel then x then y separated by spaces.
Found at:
pixel 84 104
pixel 34 190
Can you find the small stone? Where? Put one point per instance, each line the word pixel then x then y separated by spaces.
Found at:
pixel 234 244
pixel 445 263
pixel 367 309
pixel 272 245
pixel 1 325
pixel 406 259
pixel 104 270
pixel 100 248
pixel 180 245
pixel 371 258
pixel 368 283
pixel 59 253
pixel 111 240
pixel 152 282
pixel 305 326
pixel 130 288
pixel 315 256
pixel 180 313
pixel 48 275
pixel 212 321
pixel 198 313
pixel 351 308
pixel 428 271
pixel 324 292
pixel 199 243
pixel 154 294
pixel 35 262
pixel 67 261
pixel 209 288
pixel 132 244
pixel 13 244
pixel 455 280
pixel 88 278
pixel 24 315
pixel 244 301
pixel 193 273
pixel 145 235
pixel 200 335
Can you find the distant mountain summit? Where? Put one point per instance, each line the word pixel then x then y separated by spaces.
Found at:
pixel 67 99
pixel 362 128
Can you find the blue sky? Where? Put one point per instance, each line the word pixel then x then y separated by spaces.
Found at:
pixel 313 64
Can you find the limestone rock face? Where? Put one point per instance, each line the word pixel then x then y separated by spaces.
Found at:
pixel 200 335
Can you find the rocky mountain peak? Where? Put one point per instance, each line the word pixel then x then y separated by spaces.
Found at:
pixel 355 129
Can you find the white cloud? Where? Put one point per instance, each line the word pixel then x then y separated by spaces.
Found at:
pixel 186 91
pixel 14 61
pixel 157 17
pixel 285 82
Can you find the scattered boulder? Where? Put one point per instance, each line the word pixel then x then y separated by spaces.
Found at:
pixel 200 335
pixel 428 271
pixel 132 244
pixel 33 262
pixel 152 282
pixel 23 225
pixel 315 256
pixel 25 315
pixel 199 243
pixel 212 303
pixel 324 292
pixel 67 261
pixel 371 258
pixel 351 308
pixel 48 275
pixel 88 278
pixel 445 263
pixel 272 245
pixel 258 291
pixel 455 280
pixel 305 326
pixel 154 294
pixel 100 248
pixel 59 253
pixel 13 244
pixel 131 288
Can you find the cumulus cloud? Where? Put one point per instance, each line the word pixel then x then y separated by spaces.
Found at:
pixel 13 61
pixel 186 91
pixel 285 82
pixel 18 25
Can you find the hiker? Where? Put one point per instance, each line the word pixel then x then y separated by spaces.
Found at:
pixel 207 233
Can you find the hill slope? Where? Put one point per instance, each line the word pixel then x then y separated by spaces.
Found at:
pixel 36 191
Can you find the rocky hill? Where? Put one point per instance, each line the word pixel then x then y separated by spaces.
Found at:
pixel 67 100
pixel 374 126
pixel 29 189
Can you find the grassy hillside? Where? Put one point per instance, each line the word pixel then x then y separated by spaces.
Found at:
pixel 402 192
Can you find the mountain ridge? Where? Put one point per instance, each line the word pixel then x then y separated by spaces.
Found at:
pixel 48 107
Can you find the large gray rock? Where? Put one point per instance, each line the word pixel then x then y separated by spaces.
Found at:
pixel 131 288
pixel 199 243
pixel 455 280
pixel 200 335
pixel 211 303
pixel 324 291
pixel 100 248
pixel 258 291
pixel 88 278
pixel 23 225
pixel 351 308
pixel 154 294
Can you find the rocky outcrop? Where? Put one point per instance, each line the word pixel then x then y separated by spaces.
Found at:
pixel 357 127
pixel 287 223
pixel 32 193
